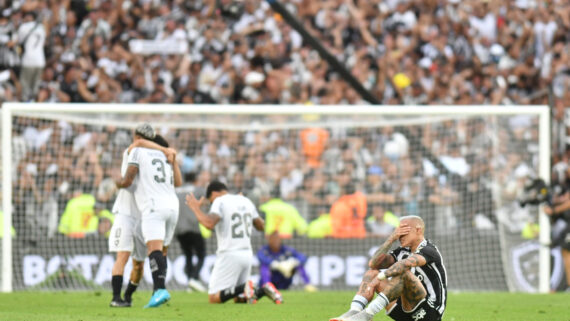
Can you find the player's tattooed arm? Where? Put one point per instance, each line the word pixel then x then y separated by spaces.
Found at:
pixel 400 267
pixel 208 220
pixel 381 259
pixel 129 177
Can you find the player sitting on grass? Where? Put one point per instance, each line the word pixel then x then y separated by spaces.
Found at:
pixel 278 264
pixel 232 217
pixel 414 285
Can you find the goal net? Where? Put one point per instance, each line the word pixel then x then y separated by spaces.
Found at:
pixel 460 168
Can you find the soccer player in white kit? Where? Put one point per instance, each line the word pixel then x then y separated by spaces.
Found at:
pixel 157 201
pixel 125 237
pixel 232 217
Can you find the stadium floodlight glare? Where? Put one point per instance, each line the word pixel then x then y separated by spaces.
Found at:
pixel 506 136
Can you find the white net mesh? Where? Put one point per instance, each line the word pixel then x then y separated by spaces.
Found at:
pixel 466 193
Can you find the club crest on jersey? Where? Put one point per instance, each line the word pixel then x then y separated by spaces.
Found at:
pixel 419 315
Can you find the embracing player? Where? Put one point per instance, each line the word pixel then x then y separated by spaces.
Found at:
pixel 413 285
pixel 232 217
pixel 125 237
pixel 157 201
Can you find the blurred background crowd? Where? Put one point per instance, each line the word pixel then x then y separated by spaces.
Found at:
pixel 344 182
pixel 229 51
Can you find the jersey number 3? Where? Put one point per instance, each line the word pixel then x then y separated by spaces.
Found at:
pixel 161 178
pixel 241 223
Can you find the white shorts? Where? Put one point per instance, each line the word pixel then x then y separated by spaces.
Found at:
pixel 231 269
pixel 159 225
pixel 126 236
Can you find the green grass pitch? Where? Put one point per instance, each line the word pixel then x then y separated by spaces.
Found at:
pixel 87 306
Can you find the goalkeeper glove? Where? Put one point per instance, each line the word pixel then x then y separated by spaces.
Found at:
pixel 274 265
pixel 287 268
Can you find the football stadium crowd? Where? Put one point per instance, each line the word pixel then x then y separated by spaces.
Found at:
pixel 208 51
pixel 404 51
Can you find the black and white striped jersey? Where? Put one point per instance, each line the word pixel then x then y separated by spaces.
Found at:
pixel 432 275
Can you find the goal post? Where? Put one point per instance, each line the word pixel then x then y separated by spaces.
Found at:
pixel 188 117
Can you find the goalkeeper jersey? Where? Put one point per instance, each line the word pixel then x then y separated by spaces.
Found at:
pixel 125 202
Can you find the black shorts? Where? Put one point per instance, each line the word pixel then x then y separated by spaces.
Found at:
pixel 422 312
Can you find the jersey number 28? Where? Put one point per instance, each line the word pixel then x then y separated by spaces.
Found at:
pixel 241 223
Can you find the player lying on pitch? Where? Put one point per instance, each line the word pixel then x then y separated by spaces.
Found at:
pixel 411 281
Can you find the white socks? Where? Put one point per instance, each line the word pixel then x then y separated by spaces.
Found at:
pixel 358 303
pixel 377 304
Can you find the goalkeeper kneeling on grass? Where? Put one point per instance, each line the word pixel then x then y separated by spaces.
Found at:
pixel 278 264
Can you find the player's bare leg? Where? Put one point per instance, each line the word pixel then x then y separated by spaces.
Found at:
pixel 566 259
pixel 406 286
pixel 136 276
pixel 413 293
pixel 117 278
pixel 164 253
pixel 369 285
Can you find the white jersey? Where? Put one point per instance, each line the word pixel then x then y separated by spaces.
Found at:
pixel 35 36
pixel 233 231
pixel 155 189
pixel 125 203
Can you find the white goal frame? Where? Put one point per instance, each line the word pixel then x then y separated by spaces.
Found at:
pixel 543 112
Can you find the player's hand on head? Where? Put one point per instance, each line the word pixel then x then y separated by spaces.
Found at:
pixel 401 230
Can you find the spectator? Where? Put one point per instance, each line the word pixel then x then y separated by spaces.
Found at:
pixel 347 215
pixel 31 36
pixel 314 141
pixel 283 218
pixel 189 235
pixel 320 227
pixel 82 216
pixel 382 223
pixel 278 264
pixel 8 41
